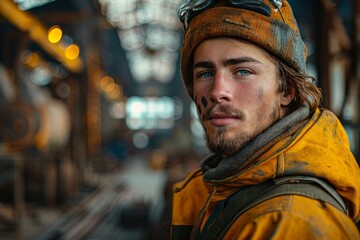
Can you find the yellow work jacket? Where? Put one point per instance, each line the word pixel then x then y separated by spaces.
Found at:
pixel 317 146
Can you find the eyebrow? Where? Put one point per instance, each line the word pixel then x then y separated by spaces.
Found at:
pixel 227 62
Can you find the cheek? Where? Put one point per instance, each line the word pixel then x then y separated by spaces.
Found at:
pixel 204 101
pixel 260 93
pixel 201 103
pixel 266 97
pixel 198 106
pixel 257 99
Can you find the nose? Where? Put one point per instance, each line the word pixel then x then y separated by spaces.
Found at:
pixel 221 89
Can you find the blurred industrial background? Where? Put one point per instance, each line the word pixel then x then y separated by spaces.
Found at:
pixel 95 124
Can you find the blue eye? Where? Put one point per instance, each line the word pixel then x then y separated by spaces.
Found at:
pixel 204 75
pixel 243 72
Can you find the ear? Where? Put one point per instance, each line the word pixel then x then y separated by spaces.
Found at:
pixel 287 96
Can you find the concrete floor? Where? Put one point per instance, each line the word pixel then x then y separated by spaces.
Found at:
pixel 130 206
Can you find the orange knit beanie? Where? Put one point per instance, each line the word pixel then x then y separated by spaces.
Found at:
pixel 278 33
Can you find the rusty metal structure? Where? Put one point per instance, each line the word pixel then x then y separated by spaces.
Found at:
pixel 339 49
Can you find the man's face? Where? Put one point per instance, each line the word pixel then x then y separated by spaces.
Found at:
pixel 236 92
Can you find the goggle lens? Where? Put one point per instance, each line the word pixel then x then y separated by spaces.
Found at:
pixel 190 8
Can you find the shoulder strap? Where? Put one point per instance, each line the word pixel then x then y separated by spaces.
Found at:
pixel 299 185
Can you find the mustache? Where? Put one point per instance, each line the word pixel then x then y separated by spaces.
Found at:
pixel 207 115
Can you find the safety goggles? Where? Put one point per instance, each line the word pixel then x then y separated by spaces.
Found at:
pixel 191 8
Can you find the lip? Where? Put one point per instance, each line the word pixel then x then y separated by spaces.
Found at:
pixel 220 119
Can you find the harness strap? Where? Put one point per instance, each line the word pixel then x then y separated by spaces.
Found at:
pixel 292 185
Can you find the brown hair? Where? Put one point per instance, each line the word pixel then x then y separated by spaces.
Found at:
pixel 306 92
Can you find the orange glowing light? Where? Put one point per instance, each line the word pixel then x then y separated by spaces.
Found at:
pixel 72 52
pixel 54 34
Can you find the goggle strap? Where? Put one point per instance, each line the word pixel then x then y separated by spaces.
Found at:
pixel 282 16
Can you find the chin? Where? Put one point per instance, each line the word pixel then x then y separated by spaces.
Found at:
pixel 227 142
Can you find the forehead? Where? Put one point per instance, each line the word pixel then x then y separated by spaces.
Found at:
pixel 228 48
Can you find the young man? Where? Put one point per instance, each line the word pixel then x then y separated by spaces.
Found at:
pixel 281 166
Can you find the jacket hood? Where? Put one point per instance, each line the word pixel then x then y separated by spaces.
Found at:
pixel 317 147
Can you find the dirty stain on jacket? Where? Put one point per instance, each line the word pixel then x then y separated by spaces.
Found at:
pixel 314 146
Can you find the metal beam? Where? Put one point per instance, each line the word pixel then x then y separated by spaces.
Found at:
pixel 26 22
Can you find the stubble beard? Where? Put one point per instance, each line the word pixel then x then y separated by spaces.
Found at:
pixel 219 142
